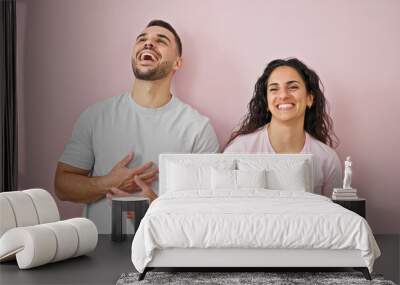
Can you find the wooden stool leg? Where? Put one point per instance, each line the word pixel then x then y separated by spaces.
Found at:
pixel 116 218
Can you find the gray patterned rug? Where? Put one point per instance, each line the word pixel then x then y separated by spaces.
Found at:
pixel 269 278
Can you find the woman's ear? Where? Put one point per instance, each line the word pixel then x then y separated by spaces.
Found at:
pixel 310 100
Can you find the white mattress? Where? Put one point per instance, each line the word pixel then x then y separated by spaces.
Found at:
pixel 252 218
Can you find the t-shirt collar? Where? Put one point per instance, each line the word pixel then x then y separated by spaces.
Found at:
pixel 271 149
pixel 144 110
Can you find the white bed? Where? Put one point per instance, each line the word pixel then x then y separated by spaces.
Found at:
pixel 214 211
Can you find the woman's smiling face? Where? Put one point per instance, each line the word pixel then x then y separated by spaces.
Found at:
pixel 287 95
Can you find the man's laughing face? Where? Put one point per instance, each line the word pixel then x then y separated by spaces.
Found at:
pixel 155 54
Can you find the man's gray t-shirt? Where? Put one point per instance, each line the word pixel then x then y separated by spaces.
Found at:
pixel 110 129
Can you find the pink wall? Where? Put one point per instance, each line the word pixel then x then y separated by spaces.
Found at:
pixel 74 53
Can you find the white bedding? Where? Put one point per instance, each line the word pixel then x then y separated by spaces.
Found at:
pixel 251 218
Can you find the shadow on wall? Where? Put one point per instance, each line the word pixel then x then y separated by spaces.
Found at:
pixel 34 122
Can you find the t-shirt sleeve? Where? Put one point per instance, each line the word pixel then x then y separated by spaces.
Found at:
pixel 206 141
pixel 333 177
pixel 234 147
pixel 78 151
pixel 239 145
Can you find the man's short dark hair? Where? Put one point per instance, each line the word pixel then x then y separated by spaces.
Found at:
pixel 161 23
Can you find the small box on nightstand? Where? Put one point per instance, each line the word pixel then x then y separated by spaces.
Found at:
pixel 356 205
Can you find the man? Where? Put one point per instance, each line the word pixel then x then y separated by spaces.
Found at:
pixel 115 142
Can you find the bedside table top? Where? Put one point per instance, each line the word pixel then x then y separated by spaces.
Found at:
pixel 350 200
pixel 130 198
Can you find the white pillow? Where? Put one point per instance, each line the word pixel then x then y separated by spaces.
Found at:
pixel 223 179
pixel 251 178
pixel 181 177
pixel 187 174
pixel 293 178
pixel 237 179
pixel 281 174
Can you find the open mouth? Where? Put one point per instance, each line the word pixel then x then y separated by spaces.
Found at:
pixel 285 106
pixel 148 56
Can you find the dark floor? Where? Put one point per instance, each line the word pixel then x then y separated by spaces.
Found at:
pixel 110 260
pixel 102 266
pixel 389 262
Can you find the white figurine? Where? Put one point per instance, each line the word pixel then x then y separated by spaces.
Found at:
pixel 347 173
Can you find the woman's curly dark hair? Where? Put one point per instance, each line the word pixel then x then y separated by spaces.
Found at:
pixel 317 121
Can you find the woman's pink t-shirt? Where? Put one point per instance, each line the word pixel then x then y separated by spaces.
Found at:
pixel 327 166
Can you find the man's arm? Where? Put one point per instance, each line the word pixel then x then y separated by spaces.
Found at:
pixel 206 141
pixel 73 184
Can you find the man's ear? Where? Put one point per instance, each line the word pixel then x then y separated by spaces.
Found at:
pixel 178 63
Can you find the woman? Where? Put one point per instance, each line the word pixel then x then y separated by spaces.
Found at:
pixel 287 114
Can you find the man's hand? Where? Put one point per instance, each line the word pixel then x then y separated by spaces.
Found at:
pixel 146 191
pixel 122 178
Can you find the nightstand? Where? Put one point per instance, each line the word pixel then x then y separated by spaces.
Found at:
pixel 356 205
pixel 137 204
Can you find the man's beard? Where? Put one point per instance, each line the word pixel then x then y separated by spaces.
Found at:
pixel 156 73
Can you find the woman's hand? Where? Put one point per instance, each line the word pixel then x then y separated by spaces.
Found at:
pixel 145 190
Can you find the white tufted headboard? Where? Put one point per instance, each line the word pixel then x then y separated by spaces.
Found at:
pixel 234 160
